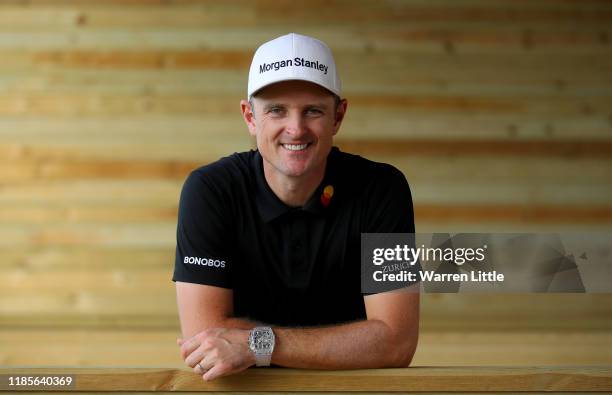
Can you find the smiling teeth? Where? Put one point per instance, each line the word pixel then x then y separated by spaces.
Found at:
pixel 295 147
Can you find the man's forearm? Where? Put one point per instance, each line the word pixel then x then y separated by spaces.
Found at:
pixel 239 323
pixel 361 344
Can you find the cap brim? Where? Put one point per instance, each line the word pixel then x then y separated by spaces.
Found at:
pixel 292 79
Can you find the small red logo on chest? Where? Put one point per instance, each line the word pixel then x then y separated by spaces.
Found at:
pixel 327 194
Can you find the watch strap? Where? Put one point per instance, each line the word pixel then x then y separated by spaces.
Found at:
pixel 263 359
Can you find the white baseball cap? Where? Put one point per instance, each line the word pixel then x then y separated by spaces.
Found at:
pixel 293 57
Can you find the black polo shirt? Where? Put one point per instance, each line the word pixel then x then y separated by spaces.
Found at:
pixel 287 266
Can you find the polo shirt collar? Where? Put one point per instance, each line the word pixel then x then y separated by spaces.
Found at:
pixel 271 207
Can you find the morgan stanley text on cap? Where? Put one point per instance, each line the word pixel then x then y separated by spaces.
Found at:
pixel 293 57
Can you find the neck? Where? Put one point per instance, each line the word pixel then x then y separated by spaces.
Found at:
pixel 293 191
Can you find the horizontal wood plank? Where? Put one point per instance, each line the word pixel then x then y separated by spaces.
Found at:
pixel 392 380
pixel 157 347
pixel 154 235
pixel 458 147
pixel 193 14
pixel 158 235
pixel 164 193
pixel 525 39
pixel 21 78
pixel 22 137
pixel 118 305
pixel 424 211
pixel 36 259
pixel 571 173
pixel 104 192
pixel 64 104
pixel 399 65
pixel 456 226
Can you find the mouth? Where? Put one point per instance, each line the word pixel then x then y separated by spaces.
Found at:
pixel 296 147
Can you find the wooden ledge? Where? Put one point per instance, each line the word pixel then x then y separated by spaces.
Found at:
pixel 414 379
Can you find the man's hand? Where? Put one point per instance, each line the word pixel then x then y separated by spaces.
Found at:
pixel 217 352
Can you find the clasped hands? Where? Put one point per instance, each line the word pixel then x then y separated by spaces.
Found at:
pixel 217 352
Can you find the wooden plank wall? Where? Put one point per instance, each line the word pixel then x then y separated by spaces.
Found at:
pixel 499 112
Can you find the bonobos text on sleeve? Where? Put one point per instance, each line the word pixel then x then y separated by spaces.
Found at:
pixel 203 253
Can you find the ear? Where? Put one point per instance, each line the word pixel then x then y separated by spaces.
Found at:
pixel 339 115
pixel 248 116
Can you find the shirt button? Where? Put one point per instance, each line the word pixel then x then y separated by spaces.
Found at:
pixel 297 245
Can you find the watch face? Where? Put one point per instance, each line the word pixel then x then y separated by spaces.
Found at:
pixel 262 340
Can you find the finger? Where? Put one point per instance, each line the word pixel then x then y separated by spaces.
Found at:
pixel 203 366
pixel 197 356
pixel 207 361
pixel 199 369
pixel 189 346
pixel 179 341
pixel 219 370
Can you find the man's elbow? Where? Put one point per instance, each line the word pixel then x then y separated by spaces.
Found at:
pixel 402 352
pixel 404 359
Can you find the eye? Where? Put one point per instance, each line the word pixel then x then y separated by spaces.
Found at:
pixel 275 111
pixel 313 111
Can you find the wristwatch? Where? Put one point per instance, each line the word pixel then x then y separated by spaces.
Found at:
pixel 261 343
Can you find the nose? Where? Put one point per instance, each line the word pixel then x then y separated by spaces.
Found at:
pixel 295 127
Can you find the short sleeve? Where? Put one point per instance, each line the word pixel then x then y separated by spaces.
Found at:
pixel 390 210
pixel 390 207
pixel 203 253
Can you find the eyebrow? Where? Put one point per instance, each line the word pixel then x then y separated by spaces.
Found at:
pixel 320 105
pixel 310 105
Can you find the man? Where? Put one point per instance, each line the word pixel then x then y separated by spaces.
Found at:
pixel 267 264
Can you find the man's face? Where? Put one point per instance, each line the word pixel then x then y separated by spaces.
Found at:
pixel 294 123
